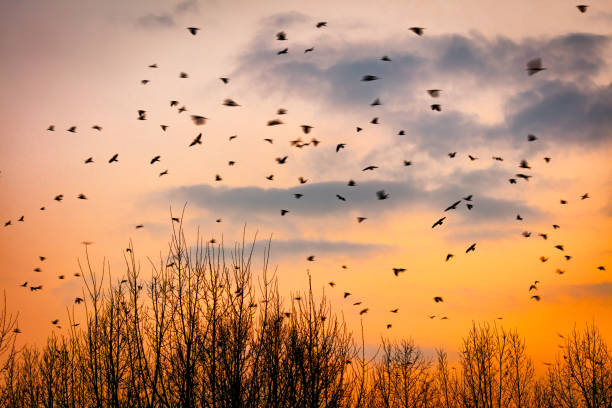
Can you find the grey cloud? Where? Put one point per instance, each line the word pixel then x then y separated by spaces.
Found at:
pixel 320 199
pixel 292 247
pixel 156 20
pixel 588 291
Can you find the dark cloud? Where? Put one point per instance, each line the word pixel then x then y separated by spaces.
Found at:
pixel 563 101
pixel 320 199
pixel 156 20
pixel 292 247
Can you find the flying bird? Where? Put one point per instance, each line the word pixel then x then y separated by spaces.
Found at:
pixel 322 24
pixel 439 222
pixel 197 140
pixel 582 8
pixel 381 195
pixel 449 256
pixel 361 219
pixel 452 154
pixel 281 36
pixel 397 271
pixel 340 146
pixel 198 120
pixel 281 160
pixel 183 75
pixel 534 66
pixel 224 80
pixel 368 78
pixel 453 206
pixel 436 107
pixel 283 51
pixel 370 168
pixel 163 173
pixel 72 129
pixel 155 159
pixel 417 30
pixel 311 258
pixel 434 93
pixel 364 311
pixel 193 30
pixel 376 102
pixel 274 122
pixel 89 160
pixel 306 128
pixel 471 248
pixel 438 299
pixel 283 212
pixel 536 297
pixel 531 138
pixel 308 50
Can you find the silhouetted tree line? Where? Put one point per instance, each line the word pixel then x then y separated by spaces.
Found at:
pixel 206 331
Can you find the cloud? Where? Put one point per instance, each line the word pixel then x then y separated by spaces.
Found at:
pixel 564 102
pixel 601 291
pixel 156 20
pixel 291 247
pixel 319 199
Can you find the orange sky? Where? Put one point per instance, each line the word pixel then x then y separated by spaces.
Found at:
pixel 80 63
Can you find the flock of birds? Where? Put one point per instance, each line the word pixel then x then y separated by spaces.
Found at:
pixel 533 67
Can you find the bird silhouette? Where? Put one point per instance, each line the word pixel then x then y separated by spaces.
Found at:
pixel 114 159
pixel 543 259
pixel 197 140
pixel 155 159
pixel 397 271
pixel 536 297
pixel 281 160
pixel 347 294
pixel 452 154
pixel 89 160
pixel 363 311
pixel 283 212
pixel 311 258
pixel 438 299
pixel 471 248
pixel 275 122
pixel 453 206
pixel 230 102
pixel 198 120
pixel 448 257
pixel 361 219
pixel 340 146
pixel 417 30
pixel 368 78
pixel 434 93
pixel 439 222
pixel 193 30
pixel 298 195
pixel 531 138
pixel 283 51
pixel 582 8
pixel 224 80
pixel 321 24
pixel 436 107
pixel 72 129
pixel 534 66
pixel 381 195
pixel 311 49
pixel 584 196
pixel 370 168
pixel 339 197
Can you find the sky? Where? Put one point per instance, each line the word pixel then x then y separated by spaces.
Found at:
pixel 81 63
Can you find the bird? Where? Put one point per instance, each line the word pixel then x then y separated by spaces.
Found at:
pixel 193 30
pixel 358 129
pixel 197 140
pixel 526 234
pixel 563 201
pixel 153 66
pixel 363 311
pixel 368 78
pixel 142 114
pixel 370 168
pixel 582 8
pixel 374 121
pixel 453 206
pixel 72 129
pixel 438 299
pixel 547 159
pixel 283 51
pixel 7 223
pixel 518 217
pixel 351 183
pixel 198 120
pixel 173 103
pixel 340 197
pixel 388 326
pixel 401 133
pixel 163 173
pixel 448 257
pixel 311 258
pixel 115 158
pixel 436 107
pixel 332 284
pixel 376 102
pixel 321 24
pixel 526 177
pixel 298 195
pixel 21 219
pixel 306 128
pixel 144 81
pixel 452 154
pixel 82 197
pixel 51 128
pixel 559 271
pixel 534 66
pixel 24 284
pixel 468 198
pixel 524 165
pixel 567 257
pixel 536 297
pixel 434 93
pixel 231 163
pixel 512 181
pixel 281 111
pixel 498 158
pixel 183 75
pixel 417 30
pixel 89 160
pixel 283 212
pixel 155 159
pixel 559 247
pixel 269 140
pixel 218 177
pixel 281 160
pixel 471 248
pixel 397 271
pixel 347 294
pixel 555 226
pixel 381 195
pixel 302 180
pixel 182 109
pixel 394 310
pixel 340 146
pixel 585 196
pixel 139 226
pixel 97 127
pixel 543 259
pixel 56 321
pixel 275 122
pixel 531 138
pixel 472 158
pixel 361 219
pixel 308 50
pixel 407 163
pixel 439 222
pixel 224 80
pixel 534 287
pixel 601 268
pixel 543 235
pixel 230 102
pixel 281 36
pixel 59 197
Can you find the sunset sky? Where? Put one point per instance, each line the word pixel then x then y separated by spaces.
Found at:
pixel 80 63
